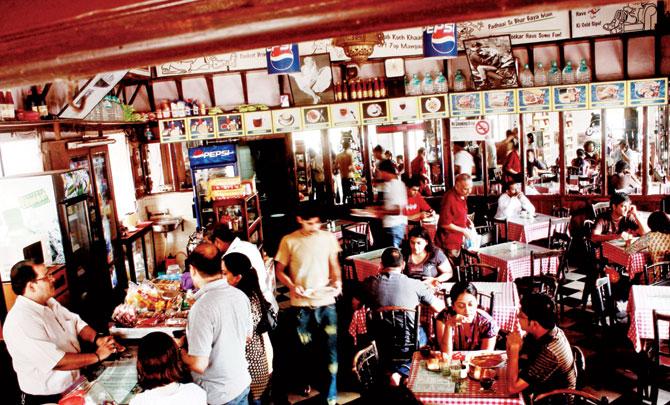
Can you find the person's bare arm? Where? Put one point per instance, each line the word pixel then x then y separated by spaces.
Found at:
pixel 514 383
pixel 280 273
pixel 197 364
pixel 75 361
pixel 335 272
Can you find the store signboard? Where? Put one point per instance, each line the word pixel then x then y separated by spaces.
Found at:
pixel 534 99
pixel 230 125
pixel 345 115
pixel 212 155
pixel 648 92
pixel 286 120
pixel 433 107
pixel 466 130
pixel 571 97
pixel 201 128
pixel 404 109
pixel 172 130
pixel 614 19
pixel 608 94
pixel 258 123
pixel 466 104
pixel 375 112
pixel 316 117
pixel 500 102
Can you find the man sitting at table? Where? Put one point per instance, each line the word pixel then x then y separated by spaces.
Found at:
pixel 550 364
pixel 619 222
pixel 392 288
pixel 512 202
pixel 417 208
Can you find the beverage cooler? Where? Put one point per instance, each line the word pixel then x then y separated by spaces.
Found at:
pixel 51 210
pixel 209 163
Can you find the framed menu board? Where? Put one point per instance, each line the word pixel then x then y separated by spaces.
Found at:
pixel 229 125
pixel 172 130
pixel 258 123
pixel 434 106
pixel 608 94
pixel 465 104
pixel 316 117
pixel 201 128
pixel 404 109
pixel 647 92
pixel 345 115
pixel 571 97
pixel 375 112
pixel 286 120
pixel 500 102
pixel 534 99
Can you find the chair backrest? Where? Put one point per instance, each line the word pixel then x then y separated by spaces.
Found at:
pixel 573 171
pixel 600 207
pixel 355 238
pixel 437 188
pixel 366 366
pixel 569 396
pixel 488 234
pixel 486 301
pixel 359 197
pixel 594 255
pixel 580 365
pixel 477 272
pixel 657 347
pixel 469 257
pixel 656 273
pixel 558 225
pixel 491 209
pixel 588 227
pixel 541 262
pixel 561 212
pixel 502 229
pixel 603 302
pixel 396 331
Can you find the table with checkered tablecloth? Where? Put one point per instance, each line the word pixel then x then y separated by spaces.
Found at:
pixel 513 260
pixel 361 227
pixel 367 264
pixel 615 251
pixel 528 229
pixel 431 387
pixel 643 299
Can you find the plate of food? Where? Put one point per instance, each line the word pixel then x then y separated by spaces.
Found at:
pixel 433 104
pixel 533 97
pixel 286 119
pixel 374 110
pixel 314 116
pixel 466 102
pixel 488 360
pixel 607 92
pixel 321 293
pixel 499 100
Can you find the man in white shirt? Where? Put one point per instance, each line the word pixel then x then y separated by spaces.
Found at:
pixel 42 337
pixel 512 202
pixel 628 155
pixel 463 160
pixel 394 220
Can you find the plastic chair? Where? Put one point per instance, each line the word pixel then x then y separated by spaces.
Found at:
pixel 568 396
pixel 366 367
pixel 477 272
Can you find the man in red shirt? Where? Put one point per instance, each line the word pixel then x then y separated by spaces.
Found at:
pixel 512 166
pixel 417 208
pixel 454 223
pixel 418 165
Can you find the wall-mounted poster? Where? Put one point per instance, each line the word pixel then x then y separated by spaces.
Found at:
pixel 345 114
pixel 465 104
pixel 614 19
pixel 608 94
pixel 91 94
pixel 258 123
pixel 286 120
pixel 434 106
pixel 314 83
pixel 375 112
pixel 201 128
pixel 648 92
pixel 172 131
pixel 230 125
pixel 491 62
pixel 404 109
pixel 316 117
pixel 571 97
pixel 534 99
pixel 500 102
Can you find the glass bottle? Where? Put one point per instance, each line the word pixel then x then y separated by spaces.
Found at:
pixel 526 77
pixel 583 73
pixel 459 81
pixel 554 75
pixel 427 86
pixel 540 75
pixel 568 74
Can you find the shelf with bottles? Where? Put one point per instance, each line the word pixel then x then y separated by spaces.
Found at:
pixel 242 215
pixel 539 76
pixel 361 89
pixel 424 85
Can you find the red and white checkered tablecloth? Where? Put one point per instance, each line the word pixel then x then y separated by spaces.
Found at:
pixel 528 229
pixel 367 264
pixel 615 251
pixel 643 299
pixel 514 262
pixel 432 388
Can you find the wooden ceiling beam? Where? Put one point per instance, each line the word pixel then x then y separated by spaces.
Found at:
pixel 78 39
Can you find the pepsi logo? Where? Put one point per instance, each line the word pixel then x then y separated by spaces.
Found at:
pixel 281 57
pixel 443 40
pixel 198 153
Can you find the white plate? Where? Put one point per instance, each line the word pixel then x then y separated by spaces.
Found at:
pixel 321 293
pixel 374 110
pixel 433 104
pixel 313 116
pixel 286 119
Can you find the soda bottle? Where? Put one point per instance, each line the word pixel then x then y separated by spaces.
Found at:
pixel 568 74
pixel 554 76
pixel 583 73
pixel 459 81
pixel 440 83
pixel 526 77
pixel 427 86
pixel 540 75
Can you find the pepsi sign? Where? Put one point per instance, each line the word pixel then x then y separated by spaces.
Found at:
pixel 283 59
pixel 212 155
pixel 440 41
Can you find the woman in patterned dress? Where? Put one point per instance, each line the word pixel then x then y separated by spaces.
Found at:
pixel 239 273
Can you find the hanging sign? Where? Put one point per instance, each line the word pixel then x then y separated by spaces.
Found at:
pixel 258 123
pixel 434 106
pixel 466 130
pixel 440 41
pixel 230 125
pixel 283 59
pixel 286 120
pixel 534 99
pixel 465 104
pixel 345 115
pixel 571 97
pixel 500 102
pixel 648 92
pixel 316 117
pixel 172 131
pixel 404 109
pixel 201 128
pixel 614 19
pixel 608 94
pixel 375 112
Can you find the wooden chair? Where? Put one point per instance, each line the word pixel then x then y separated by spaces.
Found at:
pixel 660 355
pixel 359 198
pixel 600 207
pixel 568 396
pixel 355 238
pixel 540 279
pixel 502 228
pixel 563 242
pixel 469 257
pixel 592 266
pixel 657 273
pixel 396 331
pixel 488 235
pixel 556 225
pixel 580 365
pixel 366 367
pixel 491 209
pixel 560 241
pixel 477 272
pixel 560 212
pixel 486 301
pixel 437 188
pixel 603 302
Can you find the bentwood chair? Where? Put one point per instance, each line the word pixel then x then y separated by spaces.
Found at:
pixel 502 229
pixel 660 355
pixel 568 396
pixel 486 301
pixel 603 302
pixel 396 332
pixel 366 367
pixel 488 235
pixel 560 212
pixel 469 257
pixel 657 273
pixel 580 365
pixel 477 272
pixel 541 280
pixel 600 207
pixel 355 238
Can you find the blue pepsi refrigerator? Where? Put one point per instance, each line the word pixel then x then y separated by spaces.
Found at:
pixel 208 162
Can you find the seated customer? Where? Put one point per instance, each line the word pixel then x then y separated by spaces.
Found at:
pixel 620 221
pixel 550 364
pixel 657 240
pixel 425 261
pixel 512 202
pixel 162 375
pixel 623 181
pixel 417 208
pixel 464 326
pixel 581 163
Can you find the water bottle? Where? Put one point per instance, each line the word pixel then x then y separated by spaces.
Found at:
pixel 554 76
pixel 584 73
pixel 440 83
pixel 427 84
pixel 526 77
pixel 540 75
pixel 408 89
pixel 568 74
pixel 415 85
pixel 459 81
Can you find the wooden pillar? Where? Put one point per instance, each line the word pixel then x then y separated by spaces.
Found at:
pixel 562 175
pixel 327 165
pixel 367 167
pixel 522 152
pixel 603 151
pixel 447 156
pixel 645 164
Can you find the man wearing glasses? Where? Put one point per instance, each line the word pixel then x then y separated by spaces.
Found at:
pixel 42 337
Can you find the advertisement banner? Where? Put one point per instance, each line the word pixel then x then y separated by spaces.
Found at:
pixel 172 130
pixel 345 115
pixel 440 41
pixel 286 120
pixel 201 128
pixel 500 102
pixel 614 19
pixel 571 97
pixel 316 117
pixel 212 155
pixel 283 59
pixel 404 109
pixel 434 106
pixel 230 125
pixel 534 99
pixel 465 104
pixel 648 92
pixel 375 112
pixel 608 94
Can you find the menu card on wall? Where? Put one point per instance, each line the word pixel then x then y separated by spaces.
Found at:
pixel 571 97
pixel 345 115
pixel 404 109
pixel 375 112
pixel 316 117
pixel 434 106
pixel 229 125
pixel 500 102
pixel 648 92
pixel 608 94
pixel 172 131
pixel 201 128
pixel 286 120
pixel 258 123
pixel 466 104
pixel 534 99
